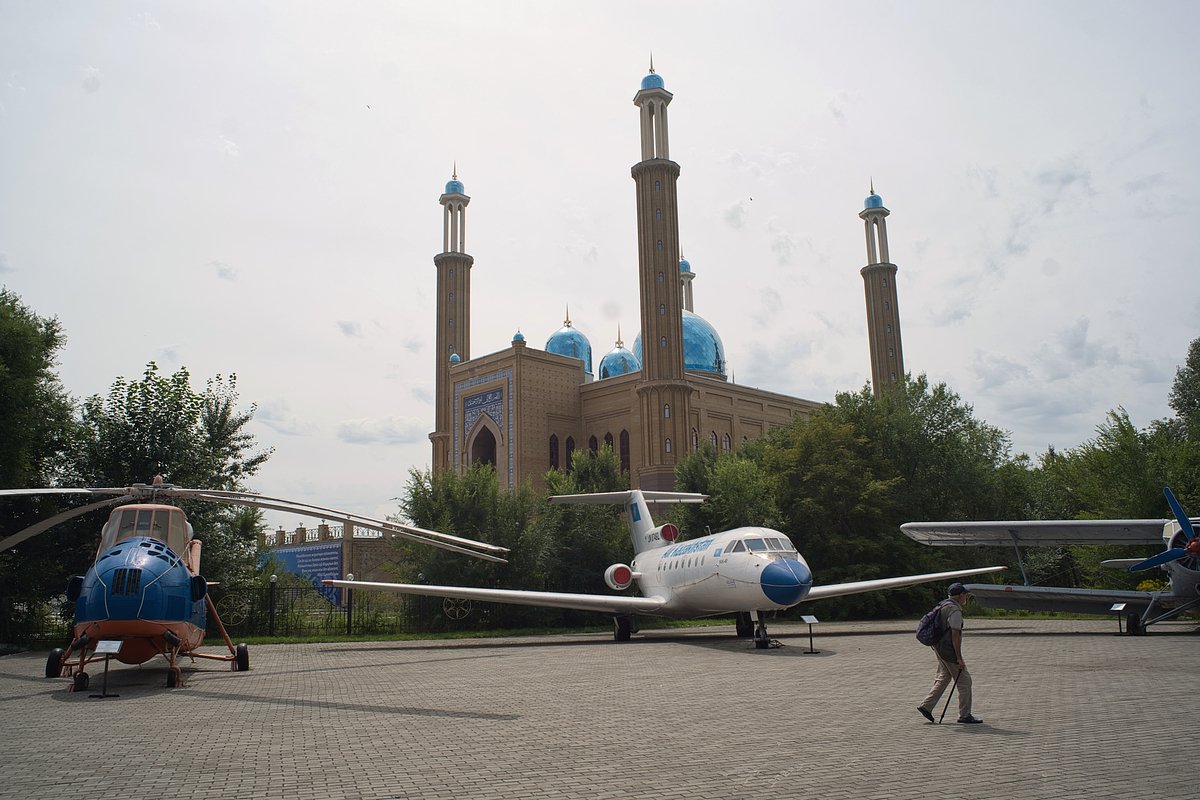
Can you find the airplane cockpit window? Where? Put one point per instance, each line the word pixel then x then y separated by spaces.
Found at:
pixel 756 545
pixel 774 544
pixel 736 547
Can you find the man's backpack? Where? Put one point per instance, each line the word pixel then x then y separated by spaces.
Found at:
pixel 929 629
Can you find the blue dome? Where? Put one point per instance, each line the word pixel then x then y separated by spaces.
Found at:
pixel 567 341
pixel 685 265
pixel 455 186
pixel 454 359
pixel 873 201
pixel 618 361
pixel 702 347
pixel 518 337
pixel 653 81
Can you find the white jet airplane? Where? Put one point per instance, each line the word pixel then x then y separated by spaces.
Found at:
pixel 741 571
pixel 1180 560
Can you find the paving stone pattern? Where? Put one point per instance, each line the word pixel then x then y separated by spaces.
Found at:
pixel 1071 709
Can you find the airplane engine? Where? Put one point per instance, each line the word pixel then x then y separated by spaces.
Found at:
pixel 618 577
pixel 668 532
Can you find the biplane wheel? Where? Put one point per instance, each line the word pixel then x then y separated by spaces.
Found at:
pixel 82 681
pixel 456 608
pixel 242 658
pixel 54 663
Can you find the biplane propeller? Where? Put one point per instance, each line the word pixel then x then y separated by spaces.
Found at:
pixel 145 591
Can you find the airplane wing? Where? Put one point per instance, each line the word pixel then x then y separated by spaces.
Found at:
pixel 1054 598
pixel 613 604
pixel 1047 533
pixel 857 587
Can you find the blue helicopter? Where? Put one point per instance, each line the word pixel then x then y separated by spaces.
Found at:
pixel 144 595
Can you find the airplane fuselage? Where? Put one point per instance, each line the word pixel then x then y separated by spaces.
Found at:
pixel 732 571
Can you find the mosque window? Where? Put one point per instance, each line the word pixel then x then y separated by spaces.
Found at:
pixel 657 185
pixel 727 443
pixel 667 445
pixel 712 438
pixel 658 213
pixel 451 273
pixel 663 343
pixel 887 304
pixel 553 451
pixel 452 297
pixel 662 309
pixel 570 451
pixel 660 277
pixel 608 440
pixel 885 283
pixel 695 439
pixel 593 445
pixel 891 353
pixel 666 410
pixel 625 451
pixel 660 245
pixel 889 328
pixel 450 324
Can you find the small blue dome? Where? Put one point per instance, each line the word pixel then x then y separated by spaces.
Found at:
pixel 518 337
pixel 567 341
pixel 685 265
pixel 618 361
pixel 454 186
pixel 653 81
pixel 454 359
pixel 703 350
pixel 873 201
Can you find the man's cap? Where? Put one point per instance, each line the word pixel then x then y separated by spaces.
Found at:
pixel 956 589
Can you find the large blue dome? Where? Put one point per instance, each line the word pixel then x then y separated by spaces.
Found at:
pixel 618 361
pixel 703 350
pixel 455 186
pixel 685 265
pixel 566 341
pixel 873 201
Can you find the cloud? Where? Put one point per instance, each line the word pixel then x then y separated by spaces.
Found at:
pixel 223 270
pixel 837 105
pixel 422 393
pixel 986 177
pixel 350 329
pixel 277 416
pixel 413 344
pixel 91 80
pixel 762 163
pixel 735 215
pixel 1060 180
pixel 4 265
pixel 228 146
pixel 1070 352
pixel 589 252
pixel 143 19
pixel 1147 182
pixel 168 353
pixel 384 431
pixel 995 372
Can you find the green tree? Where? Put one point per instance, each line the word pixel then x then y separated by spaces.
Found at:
pixel 160 425
pixel 36 434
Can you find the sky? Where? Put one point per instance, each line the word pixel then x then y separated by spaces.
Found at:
pixel 252 188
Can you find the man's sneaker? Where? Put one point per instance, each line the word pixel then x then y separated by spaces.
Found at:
pixel 972 720
pixel 925 712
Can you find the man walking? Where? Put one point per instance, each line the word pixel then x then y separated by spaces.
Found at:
pixel 951 665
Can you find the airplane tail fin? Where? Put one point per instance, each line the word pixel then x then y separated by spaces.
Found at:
pixel 644 534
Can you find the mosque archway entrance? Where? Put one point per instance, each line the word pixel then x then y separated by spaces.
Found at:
pixel 483 447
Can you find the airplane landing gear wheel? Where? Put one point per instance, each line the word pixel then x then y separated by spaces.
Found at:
pixel 1133 624
pixel 744 624
pixel 54 663
pixel 622 628
pixel 82 681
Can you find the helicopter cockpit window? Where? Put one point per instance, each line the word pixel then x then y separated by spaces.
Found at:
pixel 756 545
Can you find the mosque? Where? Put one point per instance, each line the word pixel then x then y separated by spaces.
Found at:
pixel 527 411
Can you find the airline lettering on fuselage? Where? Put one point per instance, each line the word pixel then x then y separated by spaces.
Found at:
pixel 687 548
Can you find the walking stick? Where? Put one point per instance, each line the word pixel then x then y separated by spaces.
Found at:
pixel 952 688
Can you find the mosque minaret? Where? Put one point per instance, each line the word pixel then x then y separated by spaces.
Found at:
pixel 883 309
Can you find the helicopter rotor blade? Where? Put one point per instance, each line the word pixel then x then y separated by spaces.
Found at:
pixel 50 522
pixel 384 526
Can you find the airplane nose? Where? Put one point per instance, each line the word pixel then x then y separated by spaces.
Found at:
pixel 786 581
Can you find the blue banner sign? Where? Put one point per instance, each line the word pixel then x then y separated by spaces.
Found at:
pixel 317 562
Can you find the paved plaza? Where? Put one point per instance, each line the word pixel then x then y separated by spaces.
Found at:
pixel 1071 710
